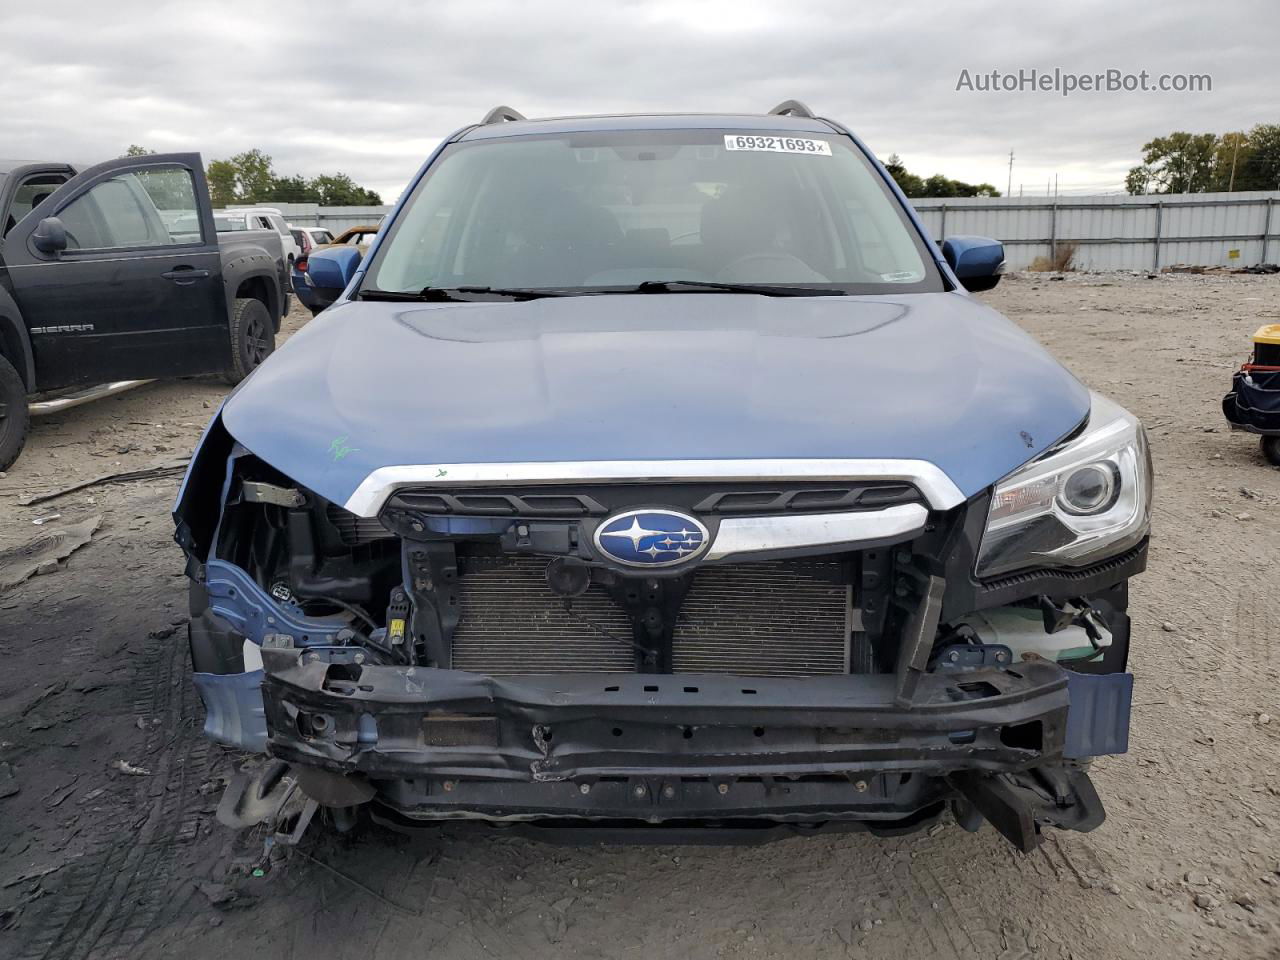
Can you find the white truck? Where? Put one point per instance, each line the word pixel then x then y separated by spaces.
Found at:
pixel 267 218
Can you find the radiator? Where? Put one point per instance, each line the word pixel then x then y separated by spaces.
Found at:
pixel 764 620
pixel 511 623
pixel 783 618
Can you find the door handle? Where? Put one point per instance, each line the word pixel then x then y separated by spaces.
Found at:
pixel 185 274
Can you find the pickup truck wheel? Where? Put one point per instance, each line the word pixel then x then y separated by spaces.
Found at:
pixel 1271 450
pixel 253 337
pixel 14 418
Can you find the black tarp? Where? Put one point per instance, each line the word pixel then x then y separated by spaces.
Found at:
pixel 1254 400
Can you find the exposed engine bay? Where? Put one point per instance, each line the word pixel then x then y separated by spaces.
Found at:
pixel 468 648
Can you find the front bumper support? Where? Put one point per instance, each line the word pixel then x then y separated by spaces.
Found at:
pixel 393 722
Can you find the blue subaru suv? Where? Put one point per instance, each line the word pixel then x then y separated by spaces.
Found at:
pixel 660 472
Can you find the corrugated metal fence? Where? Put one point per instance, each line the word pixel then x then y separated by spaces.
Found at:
pixel 336 219
pixel 1119 232
pixel 1110 232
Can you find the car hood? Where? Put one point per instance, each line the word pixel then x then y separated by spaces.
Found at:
pixel 938 377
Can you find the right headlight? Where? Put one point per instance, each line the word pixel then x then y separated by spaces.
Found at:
pixel 1085 500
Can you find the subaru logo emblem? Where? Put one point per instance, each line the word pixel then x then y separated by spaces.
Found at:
pixel 651 538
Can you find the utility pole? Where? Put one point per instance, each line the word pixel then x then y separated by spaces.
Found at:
pixel 1234 153
pixel 1009 186
pixel 1055 184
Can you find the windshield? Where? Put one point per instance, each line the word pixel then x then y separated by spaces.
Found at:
pixel 611 210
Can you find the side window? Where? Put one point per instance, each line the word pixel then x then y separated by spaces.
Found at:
pixel 262 223
pixel 173 194
pixel 278 224
pixel 152 208
pixel 29 195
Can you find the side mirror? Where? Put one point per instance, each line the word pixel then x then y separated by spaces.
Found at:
pixel 50 236
pixel 978 262
pixel 330 270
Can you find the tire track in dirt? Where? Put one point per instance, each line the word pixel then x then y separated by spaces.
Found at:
pixel 117 889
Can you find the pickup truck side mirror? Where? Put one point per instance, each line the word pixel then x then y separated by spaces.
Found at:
pixel 978 262
pixel 330 270
pixel 50 236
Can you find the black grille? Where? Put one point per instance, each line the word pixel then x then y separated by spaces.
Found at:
pixel 783 618
pixel 490 503
pixel 722 499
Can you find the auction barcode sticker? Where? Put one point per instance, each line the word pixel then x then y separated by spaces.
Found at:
pixel 735 141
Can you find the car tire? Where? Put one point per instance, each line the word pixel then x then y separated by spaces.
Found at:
pixel 15 418
pixel 253 338
pixel 316 311
pixel 1271 450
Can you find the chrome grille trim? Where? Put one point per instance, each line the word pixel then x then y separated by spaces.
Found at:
pixel 746 535
pixel 369 497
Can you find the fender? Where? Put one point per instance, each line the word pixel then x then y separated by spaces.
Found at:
pixel 251 266
pixel 15 340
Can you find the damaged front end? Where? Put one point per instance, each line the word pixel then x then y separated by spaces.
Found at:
pixel 800 650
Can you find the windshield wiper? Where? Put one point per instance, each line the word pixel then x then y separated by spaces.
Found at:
pixel 708 286
pixel 394 295
pixel 461 294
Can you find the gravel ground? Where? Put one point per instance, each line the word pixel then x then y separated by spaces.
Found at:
pixel 110 848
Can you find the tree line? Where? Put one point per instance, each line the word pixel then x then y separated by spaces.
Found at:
pixel 1209 163
pixel 250 177
pixel 935 186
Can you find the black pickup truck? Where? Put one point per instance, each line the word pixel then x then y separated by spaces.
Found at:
pixel 116 273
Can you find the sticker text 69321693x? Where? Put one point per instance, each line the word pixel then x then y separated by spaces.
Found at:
pixel 775 144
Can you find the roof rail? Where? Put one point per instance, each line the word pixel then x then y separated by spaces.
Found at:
pixel 500 114
pixel 791 108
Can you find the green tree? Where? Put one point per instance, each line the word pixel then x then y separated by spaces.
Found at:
pixel 250 177
pixel 936 185
pixel 1259 168
pixel 1178 163
pixel 221 175
pixel 255 178
pixel 339 190
pixel 911 185
pixel 294 189
pixel 1138 181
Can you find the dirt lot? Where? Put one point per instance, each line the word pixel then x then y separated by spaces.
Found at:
pixel 110 848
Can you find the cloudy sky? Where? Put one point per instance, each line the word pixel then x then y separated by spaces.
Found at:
pixel 369 89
